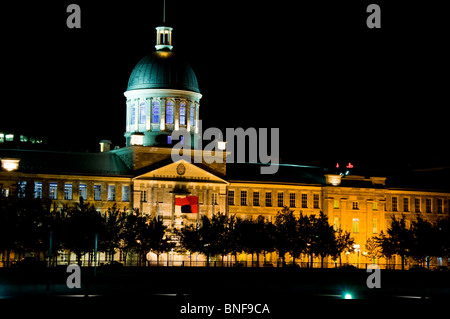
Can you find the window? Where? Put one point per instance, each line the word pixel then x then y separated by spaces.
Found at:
pixel 68 191
pixel 21 190
pixel 316 200
pixel 144 196
pixel 192 118
pixel 155 112
pixel 428 205
pixel 374 206
pixel 53 191
pixel 417 205
pixel 336 204
pixel 268 199
pixel 169 113
pixel 355 227
pixel 355 205
pixel 37 190
pixel 280 199
pixel 133 114
pixel 9 137
pixel 336 223
pixel 374 225
pixel 125 193
pixel 394 204
pixel 214 199
pixel 2 138
pixel 142 113
pixel 439 206
pixel 291 199
pixel 304 200
pixel 83 191
pixel 230 197
pixel 97 192
pixel 5 192
pixel 255 198
pixel 182 114
pixel 243 198
pixel 405 204
pixel 111 192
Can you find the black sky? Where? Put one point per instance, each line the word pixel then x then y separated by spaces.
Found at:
pixel 335 88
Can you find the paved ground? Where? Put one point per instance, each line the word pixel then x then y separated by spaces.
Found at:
pixel 267 293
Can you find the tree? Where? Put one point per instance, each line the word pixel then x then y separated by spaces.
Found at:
pixel 373 249
pixel 425 241
pixel 323 240
pixel 386 245
pixel 344 244
pixel 286 234
pixel 113 224
pixel 401 237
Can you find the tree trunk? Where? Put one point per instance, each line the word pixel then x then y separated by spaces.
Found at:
pixel 312 256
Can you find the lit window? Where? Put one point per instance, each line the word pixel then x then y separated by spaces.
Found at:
pixel 169 139
pixel 169 113
pixel 255 198
pixel 97 192
pixel 83 191
pixel 304 200
pixel 9 137
pixel 23 138
pixel 133 115
pixel 125 193
pixel 336 204
pixel 230 197
pixel 280 199
pixel 68 191
pixel 374 226
pixel 243 198
pixel 355 225
pixel 192 119
pixel 2 138
pixel 374 206
pixel 155 112
pixel 316 200
pixel 214 199
pixel 37 190
pixel 53 191
pixel 268 199
pixel 144 196
pixel 336 223
pixel 182 114
pixel 142 111
pixel 292 200
pixel 21 190
pixel 111 192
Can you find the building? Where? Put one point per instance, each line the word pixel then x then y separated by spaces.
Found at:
pixel 163 96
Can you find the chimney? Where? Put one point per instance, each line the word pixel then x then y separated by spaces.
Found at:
pixel 105 146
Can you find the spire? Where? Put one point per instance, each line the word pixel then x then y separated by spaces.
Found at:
pixel 164 34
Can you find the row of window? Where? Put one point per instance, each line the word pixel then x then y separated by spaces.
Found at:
pixel 155 113
pixel 355 225
pixel 82 191
pixel 268 199
pixel 417 205
pixel 8 137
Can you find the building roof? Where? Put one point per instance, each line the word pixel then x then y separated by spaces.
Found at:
pixel 52 162
pixel 295 174
pixel 163 69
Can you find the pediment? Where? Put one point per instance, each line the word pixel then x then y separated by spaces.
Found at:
pixel 181 170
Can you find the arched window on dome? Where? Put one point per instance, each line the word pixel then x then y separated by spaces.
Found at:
pixel 169 112
pixel 142 112
pixel 155 112
pixel 182 113
pixel 133 114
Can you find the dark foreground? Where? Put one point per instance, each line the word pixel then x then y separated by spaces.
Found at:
pixel 233 292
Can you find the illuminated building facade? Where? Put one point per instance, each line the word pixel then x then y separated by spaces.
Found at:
pixel 163 96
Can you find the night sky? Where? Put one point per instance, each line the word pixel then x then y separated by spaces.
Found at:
pixel 336 89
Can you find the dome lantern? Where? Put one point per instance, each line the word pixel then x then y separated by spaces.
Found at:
pixel 163 38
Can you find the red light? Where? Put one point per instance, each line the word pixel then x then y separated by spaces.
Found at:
pixel 350 165
pixel 337 165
